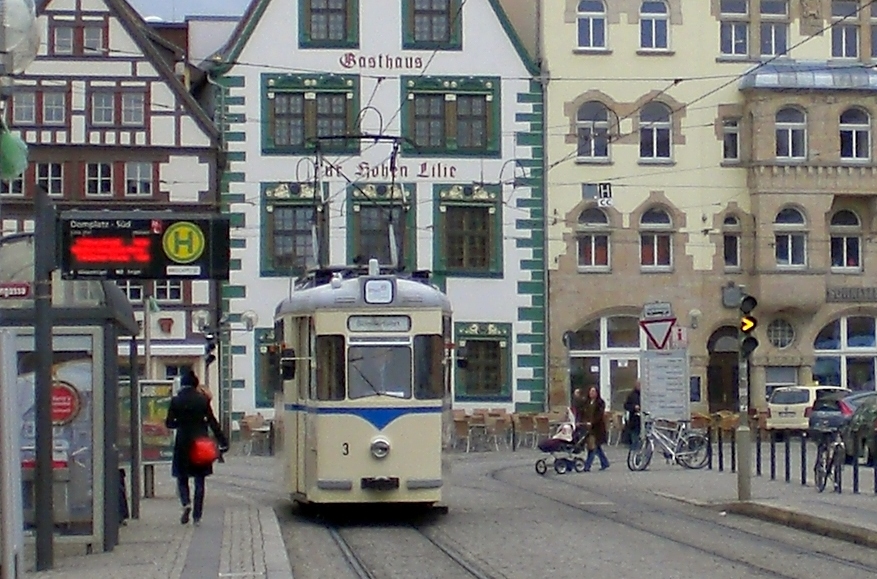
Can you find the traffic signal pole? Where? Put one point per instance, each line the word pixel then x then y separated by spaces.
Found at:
pixel 746 344
pixel 744 434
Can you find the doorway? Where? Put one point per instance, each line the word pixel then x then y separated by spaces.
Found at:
pixel 723 370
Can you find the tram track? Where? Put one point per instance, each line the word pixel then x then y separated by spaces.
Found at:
pixel 626 520
pixel 352 541
pixel 823 555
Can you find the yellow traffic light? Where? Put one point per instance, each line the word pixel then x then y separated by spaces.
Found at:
pixel 747 324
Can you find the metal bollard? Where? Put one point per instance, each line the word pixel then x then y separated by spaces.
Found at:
pixel 787 445
pixel 855 465
pixel 709 439
pixel 874 462
pixel 773 455
pixel 733 451
pixel 757 451
pixel 804 458
pixel 722 455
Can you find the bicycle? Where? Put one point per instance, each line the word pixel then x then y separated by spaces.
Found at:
pixel 679 444
pixel 830 456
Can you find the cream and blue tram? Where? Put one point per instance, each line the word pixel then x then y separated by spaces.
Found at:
pixel 365 387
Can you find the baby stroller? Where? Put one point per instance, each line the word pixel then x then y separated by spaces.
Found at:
pixel 564 447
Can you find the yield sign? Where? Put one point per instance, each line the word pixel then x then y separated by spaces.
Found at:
pixel 658 331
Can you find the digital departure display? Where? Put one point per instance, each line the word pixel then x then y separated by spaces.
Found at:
pixel 143 245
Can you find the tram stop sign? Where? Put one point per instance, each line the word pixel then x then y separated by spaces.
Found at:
pixel 143 245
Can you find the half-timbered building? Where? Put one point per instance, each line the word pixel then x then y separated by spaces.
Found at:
pixel 108 114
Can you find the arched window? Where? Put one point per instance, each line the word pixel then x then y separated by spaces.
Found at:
pixel 845 29
pixel 791 131
pixel 656 240
pixel 846 241
pixel 592 124
pixel 654 132
pixel 592 238
pixel 591 19
pixel 731 242
pixel 846 350
pixel 790 238
pixel 855 135
pixel 654 26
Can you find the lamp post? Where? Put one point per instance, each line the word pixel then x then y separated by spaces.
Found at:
pixel 218 337
pixel 19 43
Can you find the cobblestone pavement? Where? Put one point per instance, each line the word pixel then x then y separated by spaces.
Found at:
pixel 238 537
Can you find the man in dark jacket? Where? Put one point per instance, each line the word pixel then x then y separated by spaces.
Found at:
pixel 632 405
pixel 190 413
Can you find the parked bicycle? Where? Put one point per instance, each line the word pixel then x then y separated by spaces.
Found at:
pixel 678 443
pixel 830 456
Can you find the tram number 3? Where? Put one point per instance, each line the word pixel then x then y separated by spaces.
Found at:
pixel 345 448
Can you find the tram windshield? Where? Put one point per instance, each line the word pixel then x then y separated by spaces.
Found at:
pixel 379 370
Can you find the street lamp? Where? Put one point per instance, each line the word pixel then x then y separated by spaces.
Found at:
pixel 219 334
pixel 19 43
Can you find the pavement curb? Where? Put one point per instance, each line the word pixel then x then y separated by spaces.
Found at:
pixel 804 522
pixel 689 501
pixel 277 565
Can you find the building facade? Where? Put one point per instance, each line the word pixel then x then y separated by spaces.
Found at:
pixel 380 129
pixel 736 136
pixel 110 123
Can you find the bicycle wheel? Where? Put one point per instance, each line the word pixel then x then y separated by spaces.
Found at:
pixel 820 468
pixel 694 451
pixel 640 455
pixel 837 467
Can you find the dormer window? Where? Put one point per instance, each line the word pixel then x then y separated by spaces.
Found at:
pixel 77 37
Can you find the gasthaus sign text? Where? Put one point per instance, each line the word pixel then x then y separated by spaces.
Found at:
pixel 143 245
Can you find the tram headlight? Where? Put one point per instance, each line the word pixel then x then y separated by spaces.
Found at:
pixel 380 447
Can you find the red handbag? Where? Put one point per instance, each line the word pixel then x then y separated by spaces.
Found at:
pixel 203 452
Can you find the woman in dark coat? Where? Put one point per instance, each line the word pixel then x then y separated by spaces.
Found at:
pixel 190 413
pixel 594 414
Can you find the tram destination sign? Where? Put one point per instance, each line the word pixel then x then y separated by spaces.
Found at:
pixel 143 245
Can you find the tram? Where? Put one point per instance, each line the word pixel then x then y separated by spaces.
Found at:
pixel 365 377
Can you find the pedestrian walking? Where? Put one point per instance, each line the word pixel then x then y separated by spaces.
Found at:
pixel 191 415
pixel 594 415
pixel 632 406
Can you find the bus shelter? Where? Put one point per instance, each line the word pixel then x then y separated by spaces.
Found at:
pixel 88 319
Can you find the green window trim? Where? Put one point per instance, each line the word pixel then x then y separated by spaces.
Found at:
pixel 451 88
pixel 351 37
pixel 264 396
pixel 487 197
pixel 309 87
pixel 465 332
pixel 382 195
pixel 455 37
pixel 289 194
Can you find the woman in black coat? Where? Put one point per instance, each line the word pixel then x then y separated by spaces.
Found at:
pixel 594 414
pixel 190 413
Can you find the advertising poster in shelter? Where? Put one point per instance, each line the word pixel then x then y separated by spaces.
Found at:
pixel 157 441
pixel 72 438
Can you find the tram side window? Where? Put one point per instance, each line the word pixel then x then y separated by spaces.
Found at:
pixel 330 368
pixel 428 367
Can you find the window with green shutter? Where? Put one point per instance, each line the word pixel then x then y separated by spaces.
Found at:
pixel 292 215
pixel 329 23
pixel 468 232
pixel 300 109
pixel 432 24
pixel 445 116
pixel 486 348
pixel 375 209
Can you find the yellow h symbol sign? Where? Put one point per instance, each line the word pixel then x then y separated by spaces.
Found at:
pixel 183 242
